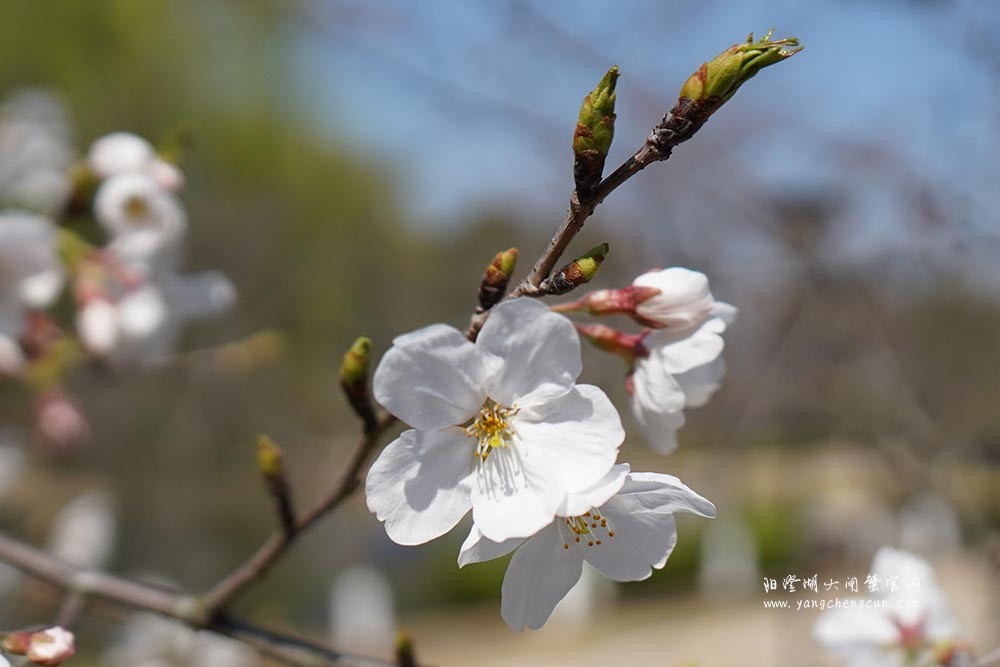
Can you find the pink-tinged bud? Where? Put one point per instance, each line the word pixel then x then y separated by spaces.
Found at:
pixel 614 341
pixel 682 300
pixel 51 647
pixel 60 420
pixel 609 301
pixel 17 643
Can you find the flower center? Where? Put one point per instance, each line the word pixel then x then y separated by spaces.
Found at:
pixel 491 429
pixel 136 208
pixel 589 528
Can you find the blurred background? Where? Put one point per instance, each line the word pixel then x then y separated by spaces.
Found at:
pixel 354 165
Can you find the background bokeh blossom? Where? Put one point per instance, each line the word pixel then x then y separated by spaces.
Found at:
pixel 353 166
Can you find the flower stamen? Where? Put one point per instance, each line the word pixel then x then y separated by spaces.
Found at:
pixel 589 526
pixel 491 429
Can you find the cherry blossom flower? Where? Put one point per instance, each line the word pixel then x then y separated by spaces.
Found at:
pixel 498 426
pixel 30 277
pixel 127 153
pixel 910 623
pixel 623 527
pixel 146 223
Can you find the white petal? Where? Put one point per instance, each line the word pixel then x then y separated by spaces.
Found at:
pixel 532 354
pixel 119 152
pixel 845 630
pixel 97 326
pixel 657 492
pixel 143 312
pixel 578 503
pixel 515 493
pixel 579 434
pixel 419 485
pixel 200 295
pixel 477 549
pixel 642 541
pixel 677 354
pixel 431 378
pixel 538 577
pixel 657 404
pixel 41 289
pixel 725 311
pixel 684 301
pixel 129 203
pixel 701 382
pixel 11 356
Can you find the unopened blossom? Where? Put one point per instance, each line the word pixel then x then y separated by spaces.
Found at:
pixel 31 276
pixel 51 647
pixel 126 153
pixel 623 527
pixel 146 224
pixel 60 420
pixel 907 620
pixel 677 299
pixel 499 426
pixel 682 300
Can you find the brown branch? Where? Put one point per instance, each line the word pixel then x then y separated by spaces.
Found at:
pixel 80 584
pixel 260 563
pixel 676 127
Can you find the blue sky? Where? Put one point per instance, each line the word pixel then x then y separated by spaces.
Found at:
pixel 471 104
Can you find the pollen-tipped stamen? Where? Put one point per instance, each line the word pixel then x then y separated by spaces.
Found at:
pixel 491 429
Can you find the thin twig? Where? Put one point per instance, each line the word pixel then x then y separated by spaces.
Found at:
pixel 185 609
pixel 261 562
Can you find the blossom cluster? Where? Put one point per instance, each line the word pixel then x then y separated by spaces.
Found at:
pixel 908 624
pixel 501 428
pixel 90 251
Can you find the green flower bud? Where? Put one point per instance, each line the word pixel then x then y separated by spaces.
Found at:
pixel 592 138
pixel 354 380
pixel 496 278
pixel 718 79
pixel 270 460
pixel 596 125
pixel 354 367
pixel 578 272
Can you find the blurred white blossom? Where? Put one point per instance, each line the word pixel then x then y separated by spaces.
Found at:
pixel 31 276
pixel 84 532
pixel 35 152
pixel 126 153
pixel 909 622
pixel 151 641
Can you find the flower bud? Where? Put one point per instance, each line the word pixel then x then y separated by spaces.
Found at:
pixel 682 300
pixel 354 380
pixel 46 647
pixel 405 654
pixel 60 420
pixel 594 131
pixel 614 341
pixel 711 86
pixel 51 647
pixel 270 459
pixel 271 465
pixel 718 79
pixel 496 278
pixel 578 272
